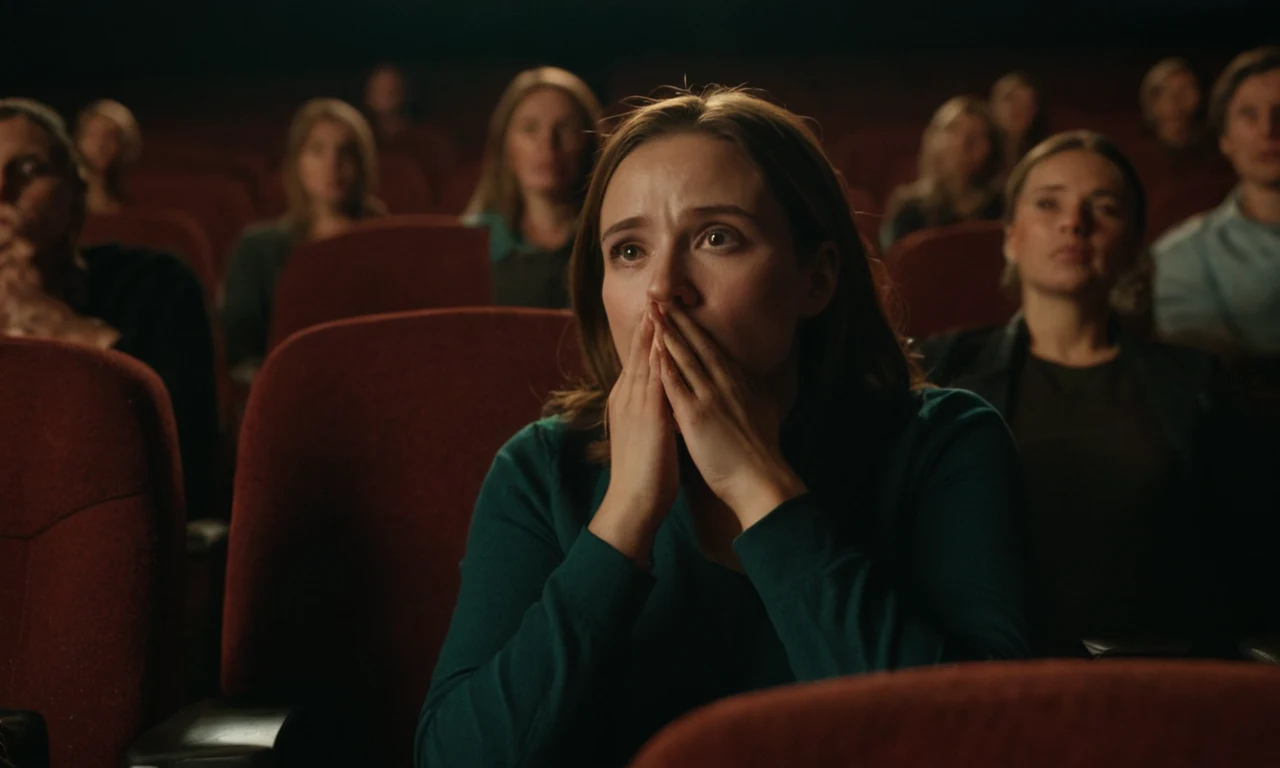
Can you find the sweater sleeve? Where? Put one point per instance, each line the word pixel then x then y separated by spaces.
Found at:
pixel 957 592
pixel 536 631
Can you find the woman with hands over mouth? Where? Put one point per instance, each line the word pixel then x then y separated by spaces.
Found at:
pixel 752 488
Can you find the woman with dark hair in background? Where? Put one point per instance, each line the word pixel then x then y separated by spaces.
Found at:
pixel 750 489
pixel 1018 110
pixel 543 136
pixel 387 97
pixel 1114 432
pixel 109 142
pixel 960 164
pixel 330 175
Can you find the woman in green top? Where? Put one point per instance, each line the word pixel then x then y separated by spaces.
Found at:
pixel 330 175
pixel 542 138
pixel 750 490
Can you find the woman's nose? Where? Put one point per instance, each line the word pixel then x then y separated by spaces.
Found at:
pixel 670 283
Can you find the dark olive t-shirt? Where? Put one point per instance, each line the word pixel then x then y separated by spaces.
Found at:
pixel 1097 466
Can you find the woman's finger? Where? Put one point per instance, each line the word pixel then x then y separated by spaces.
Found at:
pixel 638 354
pixel 677 390
pixel 686 363
pixel 705 348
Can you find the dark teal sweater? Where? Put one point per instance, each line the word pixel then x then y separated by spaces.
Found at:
pixel 563 652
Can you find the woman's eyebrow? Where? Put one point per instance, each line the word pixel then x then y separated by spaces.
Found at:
pixel 628 223
pixel 727 208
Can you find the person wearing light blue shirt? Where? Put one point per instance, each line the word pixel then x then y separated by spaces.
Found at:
pixel 1217 280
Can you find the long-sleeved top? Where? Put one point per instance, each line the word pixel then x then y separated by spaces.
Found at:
pixel 253 270
pixel 563 652
pixel 1125 464
pixel 158 306
pixel 1217 281
pixel 523 274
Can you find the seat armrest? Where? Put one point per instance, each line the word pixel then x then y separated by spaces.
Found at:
pixel 211 734
pixel 1262 648
pixel 24 740
pixel 1142 647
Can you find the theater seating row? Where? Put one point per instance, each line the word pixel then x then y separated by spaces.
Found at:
pixel 364 444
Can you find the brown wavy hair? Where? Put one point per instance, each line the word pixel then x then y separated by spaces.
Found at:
pixel 497 191
pixel 364 202
pixel 849 353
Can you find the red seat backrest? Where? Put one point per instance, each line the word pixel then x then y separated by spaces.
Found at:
pixel 389 264
pixel 948 278
pixel 1051 714
pixel 403 185
pixel 1175 202
pixel 173 232
pixel 91 547
pixel 460 187
pixel 363 449
pixel 223 205
pixel 251 167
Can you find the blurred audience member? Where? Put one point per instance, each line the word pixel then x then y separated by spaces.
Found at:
pixel 145 304
pixel 1218 274
pixel 1020 114
pixel 386 99
pixel 960 164
pixel 543 137
pixel 1171 105
pixel 330 174
pixel 109 141
pixel 1112 430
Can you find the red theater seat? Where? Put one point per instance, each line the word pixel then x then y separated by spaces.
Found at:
pixel 948 278
pixel 458 190
pixel 403 185
pixel 169 231
pixel 1053 714
pixel 91 547
pixel 364 446
pixel 223 205
pixel 390 264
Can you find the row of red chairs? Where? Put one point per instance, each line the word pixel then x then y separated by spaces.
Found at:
pixel 364 446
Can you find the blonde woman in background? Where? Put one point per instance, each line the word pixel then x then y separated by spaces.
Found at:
pixel 1172 105
pixel 960 165
pixel 330 175
pixel 537 159
pixel 109 142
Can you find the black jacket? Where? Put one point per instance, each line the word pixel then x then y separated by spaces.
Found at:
pixel 1178 385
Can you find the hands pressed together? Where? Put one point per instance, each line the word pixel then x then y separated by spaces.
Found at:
pixel 26 308
pixel 676 376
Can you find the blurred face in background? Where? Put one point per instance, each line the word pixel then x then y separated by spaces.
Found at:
pixel 1071 230
pixel 545 142
pixel 386 92
pixel 329 165
pixel 39 197
pixel 1251 132
pixel 1015 108
pixel 1174 107
pixel 101 143
pixel 962 148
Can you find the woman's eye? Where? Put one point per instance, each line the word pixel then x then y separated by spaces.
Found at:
pixel 721 238
pixel 626 252
pixel 1109 210
pixel 1046 204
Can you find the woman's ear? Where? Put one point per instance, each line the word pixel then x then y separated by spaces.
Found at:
pixel 822 275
